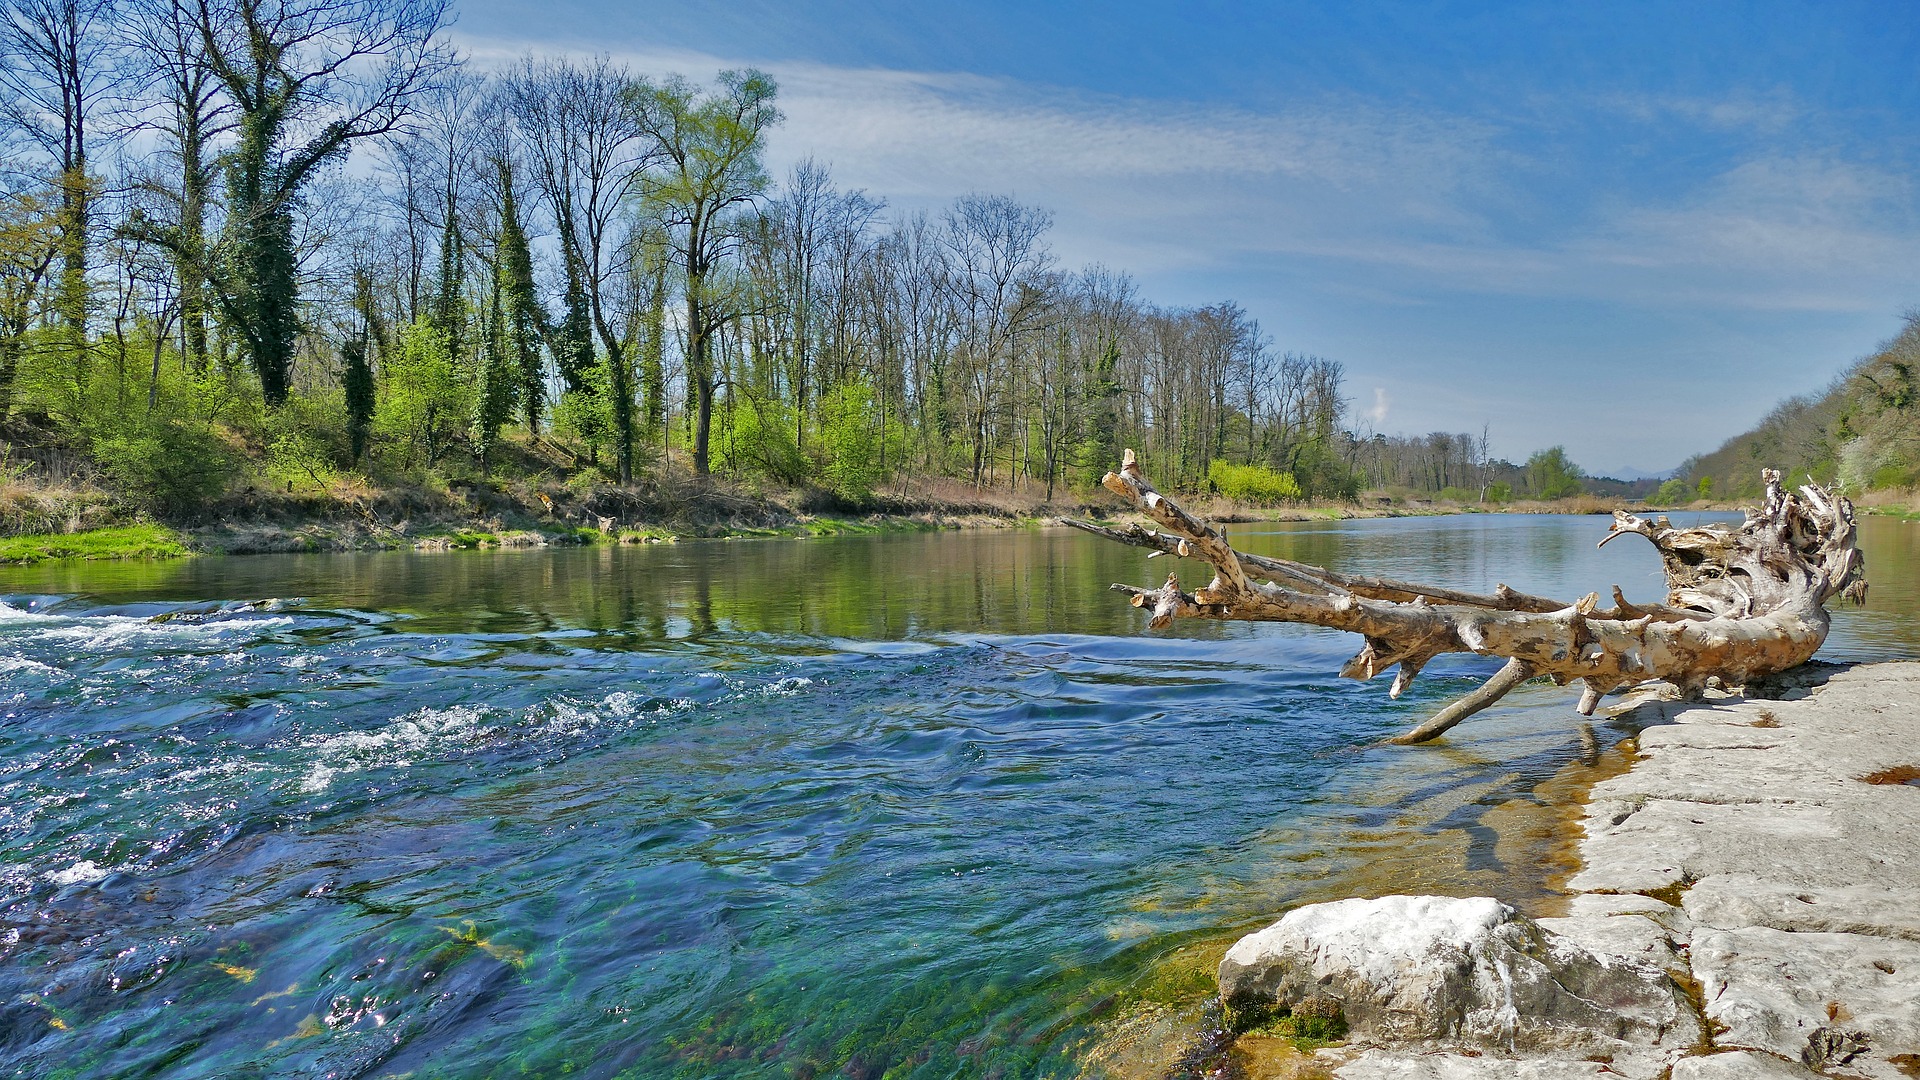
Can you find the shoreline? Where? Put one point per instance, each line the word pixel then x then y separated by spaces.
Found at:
pixel 1758 856
pixel 275 534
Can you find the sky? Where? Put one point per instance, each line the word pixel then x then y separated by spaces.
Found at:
pixel 1629 229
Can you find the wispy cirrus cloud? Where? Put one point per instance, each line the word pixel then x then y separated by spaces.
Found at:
pixel 1469 266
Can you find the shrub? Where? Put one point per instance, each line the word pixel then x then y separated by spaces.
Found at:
pixel 857 444
pixel 174 466
pixel 1672 493
pixel 1253 483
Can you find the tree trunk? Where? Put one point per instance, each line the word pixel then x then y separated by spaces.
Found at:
pixel 1743 603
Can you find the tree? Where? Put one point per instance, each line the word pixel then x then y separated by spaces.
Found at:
pixel 524 319
pixel 709 148
pixel 998 266
pixel 1742 603
pixel 589 154
pixel 29 243
pixel 1552 475
pixel 308 78
pixel 53 71
pixel 192 115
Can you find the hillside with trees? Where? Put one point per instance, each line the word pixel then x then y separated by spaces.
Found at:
pixel 1862 434
pixel 263 261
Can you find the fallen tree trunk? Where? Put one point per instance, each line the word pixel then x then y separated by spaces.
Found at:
pixel 1742 603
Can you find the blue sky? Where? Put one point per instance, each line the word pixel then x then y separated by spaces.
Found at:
pixel 1628 229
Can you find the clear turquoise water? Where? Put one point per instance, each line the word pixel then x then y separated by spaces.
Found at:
pixel 925 805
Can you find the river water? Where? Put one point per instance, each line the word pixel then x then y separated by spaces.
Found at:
pixel 917 805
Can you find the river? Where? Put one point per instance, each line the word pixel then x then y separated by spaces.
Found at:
pixel 918 805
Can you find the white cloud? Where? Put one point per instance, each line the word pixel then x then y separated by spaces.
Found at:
pixel 1484 268
pixel 1377 415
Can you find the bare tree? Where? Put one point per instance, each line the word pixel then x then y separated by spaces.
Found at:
pixel 308 78
pixel 998 265
pixel 54 69
pixel 191 116
pixel 589 153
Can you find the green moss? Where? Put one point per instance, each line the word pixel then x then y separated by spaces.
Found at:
pixel 124 542
pixel 1309 1026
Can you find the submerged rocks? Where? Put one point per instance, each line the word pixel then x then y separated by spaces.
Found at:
pixel 1470 974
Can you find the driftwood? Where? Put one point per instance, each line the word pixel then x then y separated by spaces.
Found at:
pixel 1743 602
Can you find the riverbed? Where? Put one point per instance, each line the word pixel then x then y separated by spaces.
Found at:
pixel 907 805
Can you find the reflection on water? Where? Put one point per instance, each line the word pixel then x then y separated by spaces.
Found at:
pixel 925 805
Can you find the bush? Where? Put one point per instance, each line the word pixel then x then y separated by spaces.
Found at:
pixel 1672 493
pixel 1253 483
pixel 857 444
pixel 174 466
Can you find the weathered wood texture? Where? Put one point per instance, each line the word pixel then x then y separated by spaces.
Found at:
pixel 1743 602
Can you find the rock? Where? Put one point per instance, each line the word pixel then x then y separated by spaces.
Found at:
pixel 1381 1065
pixel 1731 901
pixel 1822 999
pixel 1739 1065
pixel 1450 972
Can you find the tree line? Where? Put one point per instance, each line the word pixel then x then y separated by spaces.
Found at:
pixel 304 241
pixel 1860 434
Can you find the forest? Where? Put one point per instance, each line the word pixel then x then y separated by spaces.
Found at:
pixel 255 251
pixel 1861 434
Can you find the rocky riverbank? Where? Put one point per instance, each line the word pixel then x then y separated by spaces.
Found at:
pixel 1744 909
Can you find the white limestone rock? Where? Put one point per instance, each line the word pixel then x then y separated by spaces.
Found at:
pixel 1731 901
pixel 1386 1065
pixel 1451 972
pixel 1824 999
pixel 1739 1065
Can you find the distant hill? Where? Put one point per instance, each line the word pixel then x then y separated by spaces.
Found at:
pixel 1630 475
pixel 1862 433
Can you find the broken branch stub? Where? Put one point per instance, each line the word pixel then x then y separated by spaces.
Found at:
pixel 1742 602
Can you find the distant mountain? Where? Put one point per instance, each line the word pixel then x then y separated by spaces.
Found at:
pixel 1631 474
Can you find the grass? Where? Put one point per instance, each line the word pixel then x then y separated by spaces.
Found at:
pixel 123 542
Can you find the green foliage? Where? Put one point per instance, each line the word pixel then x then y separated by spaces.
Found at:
pixel 175 466
pixel 1500 492
pixel 1255 484
pixel 1705 490
pixel 858 444
pixel 1550 474
pixel 1321 472
pixel 1672 493
pixel 125 542
pixel 427 400
pixel 1459 495
pixel 499 390
pixel 357 384
pixel 757 436
pixel 583 415
pixel 303 448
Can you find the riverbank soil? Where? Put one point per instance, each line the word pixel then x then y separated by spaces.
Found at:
pixel 1763 853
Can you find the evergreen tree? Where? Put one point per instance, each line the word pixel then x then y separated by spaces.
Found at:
pixel 449 305
pixel 525 319
pixel 357 381
pixel 572 340
pixel 499 378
